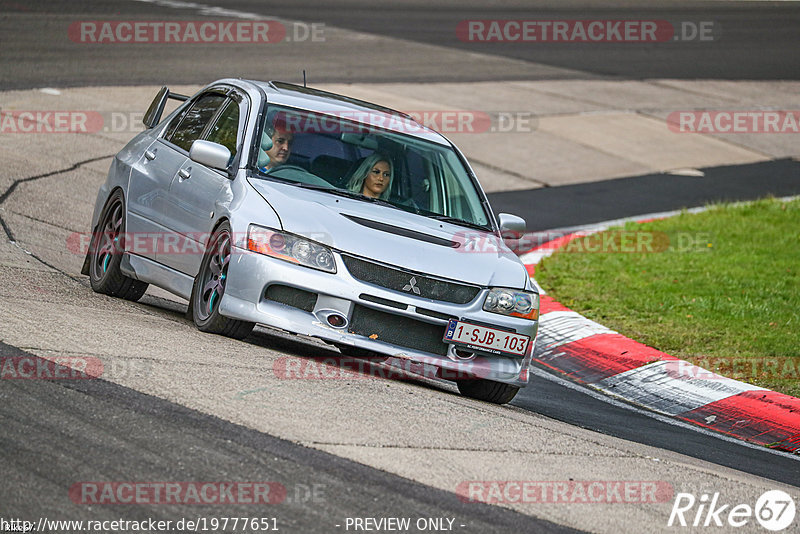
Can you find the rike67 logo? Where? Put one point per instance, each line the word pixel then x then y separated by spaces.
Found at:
pixel 774 510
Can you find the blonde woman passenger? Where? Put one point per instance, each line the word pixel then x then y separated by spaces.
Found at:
pixel 373 178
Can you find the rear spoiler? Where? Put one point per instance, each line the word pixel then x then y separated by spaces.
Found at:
pixel 156 109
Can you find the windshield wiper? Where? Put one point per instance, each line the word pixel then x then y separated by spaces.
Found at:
pixel 347 193
pixel 333 190
pixel 460 222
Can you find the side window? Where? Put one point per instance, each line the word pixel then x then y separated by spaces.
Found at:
pixel 173 125
pixel 195 120
pixel 226 129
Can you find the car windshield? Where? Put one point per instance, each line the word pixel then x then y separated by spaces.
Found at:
pixel 351 156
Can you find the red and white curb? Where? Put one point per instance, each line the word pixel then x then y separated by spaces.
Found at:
pixel 591 354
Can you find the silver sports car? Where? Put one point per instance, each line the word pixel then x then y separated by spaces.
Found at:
pixel 321 215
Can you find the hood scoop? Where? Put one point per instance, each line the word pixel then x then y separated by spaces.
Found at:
pixel 405 232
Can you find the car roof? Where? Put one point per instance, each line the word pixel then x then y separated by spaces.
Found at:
pixel 317 100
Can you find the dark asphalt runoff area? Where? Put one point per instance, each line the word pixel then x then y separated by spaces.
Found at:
pixel 57 432
pixel 583 204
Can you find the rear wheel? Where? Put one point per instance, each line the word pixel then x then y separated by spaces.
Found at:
pixel 487 390
pixel 209 287
pixel 105 254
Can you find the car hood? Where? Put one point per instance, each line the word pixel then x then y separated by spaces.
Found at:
pixel 393 236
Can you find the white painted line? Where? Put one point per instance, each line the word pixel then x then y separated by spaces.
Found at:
pixel 696 173
pixel 208 11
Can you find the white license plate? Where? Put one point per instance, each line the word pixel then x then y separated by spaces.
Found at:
pixel 486 339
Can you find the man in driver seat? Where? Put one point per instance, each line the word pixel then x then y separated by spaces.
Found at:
pixel 277 144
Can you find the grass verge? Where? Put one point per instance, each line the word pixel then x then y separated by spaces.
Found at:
pixel 720 288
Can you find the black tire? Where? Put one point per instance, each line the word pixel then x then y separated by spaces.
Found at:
pixel 487 390
pixel 209 287
pixel 105 254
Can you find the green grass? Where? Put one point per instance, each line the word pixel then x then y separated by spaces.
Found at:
pixel 720 288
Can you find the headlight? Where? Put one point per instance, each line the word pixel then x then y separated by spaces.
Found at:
pixel 512 302
pixel 291 248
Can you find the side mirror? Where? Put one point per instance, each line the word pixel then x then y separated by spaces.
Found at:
pixel 511 223
pixel 153 114
pixel 210 154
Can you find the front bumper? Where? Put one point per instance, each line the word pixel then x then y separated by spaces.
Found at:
pixel 393 323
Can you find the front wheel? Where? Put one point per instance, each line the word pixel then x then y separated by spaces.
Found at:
pixel 209 287
pixel 487 390
pixel 105 254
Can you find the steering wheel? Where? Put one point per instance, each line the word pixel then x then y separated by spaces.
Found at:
pixel 286 167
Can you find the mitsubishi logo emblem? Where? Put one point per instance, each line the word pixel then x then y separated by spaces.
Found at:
pixel 412 285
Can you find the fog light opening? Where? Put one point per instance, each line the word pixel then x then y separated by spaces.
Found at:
pixel 336 320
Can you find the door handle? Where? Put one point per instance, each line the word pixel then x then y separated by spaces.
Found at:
pixel 150 154
pixel 185 174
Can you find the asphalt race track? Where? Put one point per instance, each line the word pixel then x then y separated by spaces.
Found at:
pixel 208 409
pixel 751 43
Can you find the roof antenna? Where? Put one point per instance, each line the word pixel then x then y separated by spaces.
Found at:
pixel 304 78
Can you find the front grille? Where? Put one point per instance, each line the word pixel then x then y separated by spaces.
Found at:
pixel 434 314
pixel 291 296
pixel 408 282
pixel 385 302
pixel 398 330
